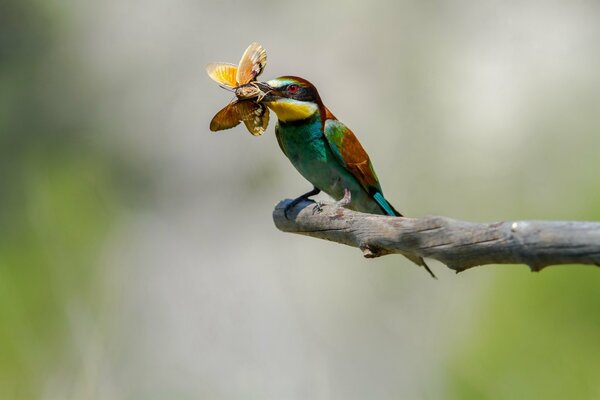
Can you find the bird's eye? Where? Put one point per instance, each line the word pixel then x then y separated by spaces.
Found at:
pixel 292 88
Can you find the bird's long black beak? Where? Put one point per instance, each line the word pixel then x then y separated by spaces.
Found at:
pixel 270 93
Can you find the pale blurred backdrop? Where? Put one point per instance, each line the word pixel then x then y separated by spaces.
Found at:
pixel 138 257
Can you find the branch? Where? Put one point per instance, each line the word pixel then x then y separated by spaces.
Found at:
pixel 458 244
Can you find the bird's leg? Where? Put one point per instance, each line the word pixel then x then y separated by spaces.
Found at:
pixel 297 200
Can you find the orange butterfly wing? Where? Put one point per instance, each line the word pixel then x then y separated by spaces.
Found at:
pixel 223 73
pixel 227 118
pixel 252 63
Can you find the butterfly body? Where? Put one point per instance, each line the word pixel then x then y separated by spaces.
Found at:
pixel 248 91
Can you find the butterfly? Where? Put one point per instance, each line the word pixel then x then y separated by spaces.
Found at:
pixel 240 80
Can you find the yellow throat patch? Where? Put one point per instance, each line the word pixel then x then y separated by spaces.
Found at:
pixel 292 110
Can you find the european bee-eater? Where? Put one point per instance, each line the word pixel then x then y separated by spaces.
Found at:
pixel 323 149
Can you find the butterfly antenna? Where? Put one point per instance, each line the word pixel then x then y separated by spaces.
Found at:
pixel 226 88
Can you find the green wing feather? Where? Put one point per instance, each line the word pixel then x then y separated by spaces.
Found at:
pixel 350 153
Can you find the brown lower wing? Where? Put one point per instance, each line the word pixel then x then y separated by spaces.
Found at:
pixel 254 115
pixel 227 118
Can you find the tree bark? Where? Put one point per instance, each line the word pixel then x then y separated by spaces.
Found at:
pixel 458 244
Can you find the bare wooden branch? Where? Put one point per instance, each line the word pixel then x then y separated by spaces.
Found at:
pixel 458 244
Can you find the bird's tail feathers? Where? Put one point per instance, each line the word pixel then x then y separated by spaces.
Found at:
pixel 419 261
pixel 387 207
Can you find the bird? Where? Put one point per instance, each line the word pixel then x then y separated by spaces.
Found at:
pixel 324 150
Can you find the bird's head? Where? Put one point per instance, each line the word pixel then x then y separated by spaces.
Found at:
pixel 291 98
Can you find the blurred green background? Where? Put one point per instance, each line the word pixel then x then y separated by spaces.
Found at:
pixel 138 258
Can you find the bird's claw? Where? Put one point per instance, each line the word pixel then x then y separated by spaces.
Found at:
pixel 317 208
pixel 347 199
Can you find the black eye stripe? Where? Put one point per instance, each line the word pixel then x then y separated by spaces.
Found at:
pixel 299 92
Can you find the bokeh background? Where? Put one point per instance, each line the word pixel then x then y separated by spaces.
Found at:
pixel 138 258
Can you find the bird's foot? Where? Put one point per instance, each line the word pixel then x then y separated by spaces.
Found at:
pixel 347 199
pixel 317 208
